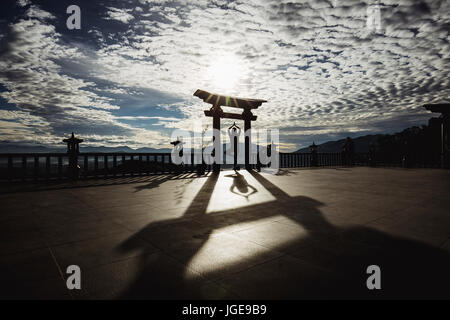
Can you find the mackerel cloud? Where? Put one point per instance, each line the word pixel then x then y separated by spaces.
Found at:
pixel 128 77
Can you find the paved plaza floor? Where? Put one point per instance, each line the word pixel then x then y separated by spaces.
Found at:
pixel 304 233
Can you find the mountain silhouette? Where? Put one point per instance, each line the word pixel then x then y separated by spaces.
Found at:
pixel 361 144
pixel 17 148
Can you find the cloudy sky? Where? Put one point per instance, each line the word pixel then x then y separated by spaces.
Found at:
pixel 327 67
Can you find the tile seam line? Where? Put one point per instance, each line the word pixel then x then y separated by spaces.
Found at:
pixel 60 271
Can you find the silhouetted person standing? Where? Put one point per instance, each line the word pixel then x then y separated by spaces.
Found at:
pixel 349 150
pixel 234 132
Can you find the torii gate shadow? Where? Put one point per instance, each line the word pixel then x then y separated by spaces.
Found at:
pixel 409 269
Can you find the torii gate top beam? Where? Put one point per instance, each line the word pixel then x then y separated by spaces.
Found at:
pixel 228 115
pixel 228 101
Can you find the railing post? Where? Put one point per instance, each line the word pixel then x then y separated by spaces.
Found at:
pixel 59 166
pixel 114 165
pixel 171 167
pixel 95 166
pixel 24 167
pixel 155 164
pixel 36 167
pixel 47 167
pixel 10 168
pixel 163 165
pixel 132 165
pixel 105 165
pixel 372 156
pixel 123 165
pixel 86 165
pixel 314 157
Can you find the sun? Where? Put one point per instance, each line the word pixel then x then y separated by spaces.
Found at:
pixel 225 72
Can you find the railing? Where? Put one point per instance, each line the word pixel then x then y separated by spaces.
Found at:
pixel 50 166
pixel 27 166
pixel 413 160
pixel 296 160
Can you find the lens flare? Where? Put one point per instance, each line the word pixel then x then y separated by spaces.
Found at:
pixel 225 72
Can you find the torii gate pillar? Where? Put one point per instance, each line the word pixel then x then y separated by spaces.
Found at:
pixel 217 113
pixel 247 115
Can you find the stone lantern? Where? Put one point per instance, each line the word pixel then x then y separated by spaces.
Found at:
pixel 73 149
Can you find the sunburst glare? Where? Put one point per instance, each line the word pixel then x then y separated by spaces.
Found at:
pixel 225 72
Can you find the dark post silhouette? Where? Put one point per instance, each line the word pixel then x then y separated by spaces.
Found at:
pixel 247 116
pixel 314 158
pixel 372 155
pixel 406 159
pixel 217 113
pixel 258 162
pixel 348 152
pixel 444 110
pixel 73 149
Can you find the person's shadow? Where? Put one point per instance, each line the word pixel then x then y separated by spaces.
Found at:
pixel 240 186
pixel 409 269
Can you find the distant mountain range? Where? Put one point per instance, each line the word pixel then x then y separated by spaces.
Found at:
pixel 13 148
pixel 16 148
pixel 361 144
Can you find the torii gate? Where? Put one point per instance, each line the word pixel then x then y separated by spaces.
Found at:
pixel 216 113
